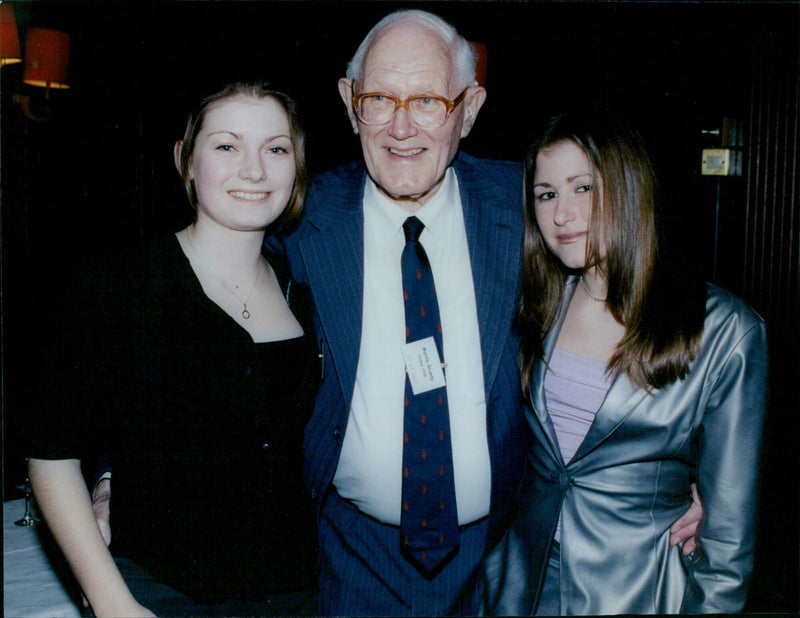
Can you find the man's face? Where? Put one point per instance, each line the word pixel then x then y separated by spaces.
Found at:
pixel 408 162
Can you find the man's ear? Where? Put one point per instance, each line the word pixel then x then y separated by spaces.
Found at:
pixel 176 154
pixel 472 105
pixel 346 92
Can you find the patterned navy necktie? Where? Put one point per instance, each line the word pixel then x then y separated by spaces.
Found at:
pixel 429 518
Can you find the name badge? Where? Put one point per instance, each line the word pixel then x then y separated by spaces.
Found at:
pixel 423 366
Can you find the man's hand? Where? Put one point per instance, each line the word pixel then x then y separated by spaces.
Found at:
pixel 685 529
pixel 101 501
pixel 101 505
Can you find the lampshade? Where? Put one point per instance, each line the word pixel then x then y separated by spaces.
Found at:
pixel 46 58
pixel 481 56
pixel 9 37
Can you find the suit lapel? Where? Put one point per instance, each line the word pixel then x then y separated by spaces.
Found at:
pixel 332 249
pixel 538 399
pixel 495 255
pixel 333 253
pixel 620 401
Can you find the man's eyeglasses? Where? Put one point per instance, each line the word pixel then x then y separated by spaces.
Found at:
pixel 428 111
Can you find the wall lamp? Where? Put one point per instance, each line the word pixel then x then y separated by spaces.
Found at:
pixel 46 63
pixel 9 37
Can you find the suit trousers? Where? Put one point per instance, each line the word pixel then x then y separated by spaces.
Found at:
pixel 550 597
pixel 363 573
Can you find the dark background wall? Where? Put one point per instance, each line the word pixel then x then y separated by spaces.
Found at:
pixel 98 175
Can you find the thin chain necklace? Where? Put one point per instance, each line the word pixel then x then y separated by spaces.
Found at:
pixel 586 291
pixel 245 312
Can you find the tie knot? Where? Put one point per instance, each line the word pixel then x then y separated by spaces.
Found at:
pixel 413 228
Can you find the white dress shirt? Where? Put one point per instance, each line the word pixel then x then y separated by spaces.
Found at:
pixel 370 466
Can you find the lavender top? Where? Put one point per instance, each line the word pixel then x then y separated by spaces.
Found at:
pixel 574 389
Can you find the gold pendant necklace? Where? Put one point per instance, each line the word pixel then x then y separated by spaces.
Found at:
pixel 245 312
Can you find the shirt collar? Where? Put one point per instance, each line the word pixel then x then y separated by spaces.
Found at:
pixel 389 217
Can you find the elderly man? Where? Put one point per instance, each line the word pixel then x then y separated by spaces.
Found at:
pixel 411 95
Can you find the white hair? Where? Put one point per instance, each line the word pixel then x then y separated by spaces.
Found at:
pixel 460 50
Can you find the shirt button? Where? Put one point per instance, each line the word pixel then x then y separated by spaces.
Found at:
pixel 265 447
pixel 337 433
pixel 313 494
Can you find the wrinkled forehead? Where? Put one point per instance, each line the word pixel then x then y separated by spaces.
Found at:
pixel 408 50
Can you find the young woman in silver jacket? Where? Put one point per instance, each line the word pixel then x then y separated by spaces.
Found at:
pixel 642 380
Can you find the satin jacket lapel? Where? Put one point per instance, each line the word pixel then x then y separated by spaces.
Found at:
pixel 538 399
pixel 492 249
pixel 620 401
pixel 333 252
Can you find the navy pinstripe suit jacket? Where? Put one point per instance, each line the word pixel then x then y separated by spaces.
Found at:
pixel 327 254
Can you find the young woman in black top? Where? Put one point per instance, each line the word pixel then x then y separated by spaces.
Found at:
pixel 191 364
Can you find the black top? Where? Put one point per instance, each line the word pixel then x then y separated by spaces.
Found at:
pixel 204 427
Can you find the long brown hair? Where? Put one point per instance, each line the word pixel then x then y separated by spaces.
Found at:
pixel 661 310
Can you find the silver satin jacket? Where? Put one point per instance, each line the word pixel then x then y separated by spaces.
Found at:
pixel 630 480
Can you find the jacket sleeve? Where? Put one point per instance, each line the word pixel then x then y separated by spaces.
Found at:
pixel 727 473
